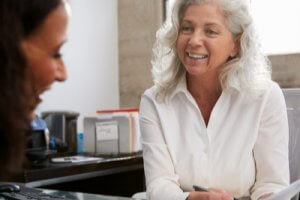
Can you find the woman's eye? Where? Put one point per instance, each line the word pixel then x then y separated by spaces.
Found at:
pixel 57 55
pixel 186 29
pixel 211 32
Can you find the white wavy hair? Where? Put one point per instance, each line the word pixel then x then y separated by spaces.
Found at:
pixel 250 70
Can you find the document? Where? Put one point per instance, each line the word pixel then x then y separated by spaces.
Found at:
pixel 288 192
pixel 75 159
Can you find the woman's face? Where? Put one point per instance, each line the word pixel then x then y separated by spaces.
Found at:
pixel 42 52
pixel 204 42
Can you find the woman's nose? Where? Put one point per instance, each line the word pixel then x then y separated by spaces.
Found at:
pixel 61 73
pixel 196 39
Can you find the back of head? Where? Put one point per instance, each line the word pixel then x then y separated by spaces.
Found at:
pixel 18 19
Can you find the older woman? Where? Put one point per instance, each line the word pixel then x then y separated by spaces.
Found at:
pixel 214 117
pixel 31 35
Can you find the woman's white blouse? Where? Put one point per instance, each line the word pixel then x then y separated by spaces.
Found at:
pixel 243 149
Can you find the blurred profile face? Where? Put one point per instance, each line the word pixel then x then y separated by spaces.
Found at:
pixel 204 42
pixel 42 51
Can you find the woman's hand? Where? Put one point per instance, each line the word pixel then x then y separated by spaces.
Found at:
pixel 213 194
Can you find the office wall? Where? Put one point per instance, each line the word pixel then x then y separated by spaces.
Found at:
pixel 91 57
pixel 286 70
pixel 138 22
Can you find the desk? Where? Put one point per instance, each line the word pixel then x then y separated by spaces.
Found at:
pixel 55 195
pixel 109 176
pixel 84 196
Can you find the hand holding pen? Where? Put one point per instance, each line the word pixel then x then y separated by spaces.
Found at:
pixel 202 189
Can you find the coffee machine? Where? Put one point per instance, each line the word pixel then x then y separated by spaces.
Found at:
pixel 62 127
pixel 37 150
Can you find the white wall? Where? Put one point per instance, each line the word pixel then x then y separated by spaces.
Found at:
pixel 91 57
pixel 278 25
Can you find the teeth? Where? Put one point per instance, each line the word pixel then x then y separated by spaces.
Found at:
pixel 197 56
pixel 41 97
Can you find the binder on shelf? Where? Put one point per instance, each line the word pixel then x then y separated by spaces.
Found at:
pixel 112 132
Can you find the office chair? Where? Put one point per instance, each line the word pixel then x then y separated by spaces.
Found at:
pixel 292 99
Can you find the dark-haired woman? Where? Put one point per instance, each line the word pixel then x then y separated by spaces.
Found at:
pixel 31 35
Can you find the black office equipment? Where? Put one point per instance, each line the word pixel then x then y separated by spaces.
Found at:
pixel 63 129
pixel 26 193
pixel 37 150
pixel 9 187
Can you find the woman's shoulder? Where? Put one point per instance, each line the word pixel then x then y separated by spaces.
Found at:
pixel 269 89
pixel 149 99
pixel 151 95
pixel 273 87
pixel 150 92
pixel 272 92
pixel 275 90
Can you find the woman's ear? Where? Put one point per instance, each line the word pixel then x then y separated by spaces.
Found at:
pixel 237 46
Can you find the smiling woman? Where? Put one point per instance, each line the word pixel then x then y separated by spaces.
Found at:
pixel 203 25
pixel 42 52
pixel 214 118
pixel 31 34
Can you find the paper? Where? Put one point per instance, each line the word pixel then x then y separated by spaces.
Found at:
pixel 288 192
pixel 106 130
pixel 75 159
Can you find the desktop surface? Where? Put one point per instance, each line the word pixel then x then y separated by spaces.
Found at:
pixel 108 176
pixel 50 173
pixel 39 194
pixel 84 196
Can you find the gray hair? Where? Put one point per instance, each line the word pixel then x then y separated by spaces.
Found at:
pixel 250 70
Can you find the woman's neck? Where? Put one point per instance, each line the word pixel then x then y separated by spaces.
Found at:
pixel 203 86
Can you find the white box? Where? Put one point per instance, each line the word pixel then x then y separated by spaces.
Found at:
pixel 112 133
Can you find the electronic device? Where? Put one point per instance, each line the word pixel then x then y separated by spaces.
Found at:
pixel 62 126
pixel 9 187
pixel 21 192
pixel 37 150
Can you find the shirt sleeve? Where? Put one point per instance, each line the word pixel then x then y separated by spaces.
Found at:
pixel 271 147
pixel 161 179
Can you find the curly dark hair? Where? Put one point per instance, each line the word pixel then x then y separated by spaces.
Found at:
pixel 18 19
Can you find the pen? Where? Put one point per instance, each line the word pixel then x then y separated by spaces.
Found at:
pixel 199 188
pixel 203 189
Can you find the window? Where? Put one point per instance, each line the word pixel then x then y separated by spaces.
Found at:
pixel 277 22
